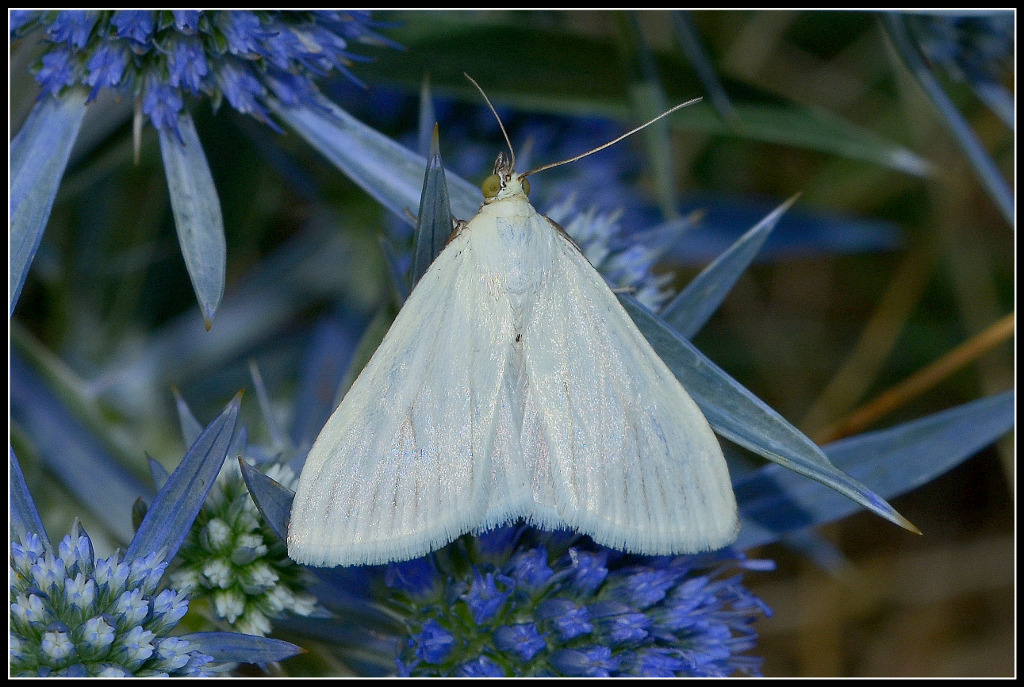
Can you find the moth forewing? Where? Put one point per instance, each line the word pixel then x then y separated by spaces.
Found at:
pixel 512 384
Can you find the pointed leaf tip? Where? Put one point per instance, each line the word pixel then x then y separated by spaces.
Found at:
pixel 273 499
pixel 179 500
pixel 694 305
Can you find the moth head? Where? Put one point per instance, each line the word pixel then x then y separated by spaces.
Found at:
pixel 504 182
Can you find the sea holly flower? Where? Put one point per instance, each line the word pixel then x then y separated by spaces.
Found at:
pixel 624 257
pixel 638 616
pixel 234 567
pixel 186 48
pixel 231 563
pixel 164 59
pixel 516 601
pixel 75 615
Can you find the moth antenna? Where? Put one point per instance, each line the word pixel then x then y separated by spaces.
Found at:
pixel 612 142
pixel 503 132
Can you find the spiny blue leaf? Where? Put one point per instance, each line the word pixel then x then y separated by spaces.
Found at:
pixel 774 501
pixel 309 267
pixel 273 500
pixel 800 232
pixel 435 217
pixel 427 119
pixel 71 452
pixel 232 647
pixel 741 417
pixel 383 168
pixel 998 99
pixel 197 214
pixel 397 274
pixel 178 503
pixel 25 518
pixel 277 437
pixel 984 166
pixel 695 304
pixel 39 155
pixel 689 39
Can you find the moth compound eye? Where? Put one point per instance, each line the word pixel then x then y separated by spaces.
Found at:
pixel 526 186
pixel 491 186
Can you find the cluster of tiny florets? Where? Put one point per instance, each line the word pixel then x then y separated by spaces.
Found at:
pixel 623 258
pixel 232 564
pixel 161 57
pixel 72 615
pixel 585 612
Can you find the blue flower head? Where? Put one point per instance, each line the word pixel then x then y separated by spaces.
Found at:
pixel 75 615
pixel 552 609
pixel 234 568
pixel 162 60
pixel 161 56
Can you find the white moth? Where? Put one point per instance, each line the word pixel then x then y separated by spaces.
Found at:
pixel 511 385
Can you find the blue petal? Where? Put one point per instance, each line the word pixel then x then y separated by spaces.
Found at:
pixel 73 27
pixel 523 639
pixel 176 505
pixel 162 103
pixel 59 69
pixel 244 91
pixel 106 67
pixel 186 64
pixel 435 642
pixel 39 155
pixel 593 662
pixel 186 21
pixel 19 18
pixel 482 666
pixel 243 32
pixel 134 24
